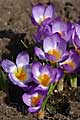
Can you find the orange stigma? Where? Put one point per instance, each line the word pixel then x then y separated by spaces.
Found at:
pixel 35 100
pixel 21 74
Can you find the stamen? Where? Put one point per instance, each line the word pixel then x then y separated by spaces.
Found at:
pixel 44 79
pixel 35 100
pixel 21 74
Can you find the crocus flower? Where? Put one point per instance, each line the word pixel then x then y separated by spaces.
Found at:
pixel 40 13
pixel 20 72
pixel 42 75
pixel 64 29
pixel 76 37
pixel 34 101
pixel 71 63
pixel 54 48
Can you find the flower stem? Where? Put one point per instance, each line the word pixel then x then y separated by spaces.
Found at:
pixel 52 87
pixel 74 82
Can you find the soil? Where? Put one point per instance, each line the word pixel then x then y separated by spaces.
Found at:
pixel 15 25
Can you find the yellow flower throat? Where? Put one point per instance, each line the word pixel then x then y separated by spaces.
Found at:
pixel 21 74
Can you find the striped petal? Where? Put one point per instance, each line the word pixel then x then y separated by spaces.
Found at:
pixel 49 11
pixel 39 53
pixel 37 12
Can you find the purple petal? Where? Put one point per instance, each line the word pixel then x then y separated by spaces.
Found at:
pixel 37 12
pixel 39 53
pixel 57 26
pixel 61 44
pixel 34 109
pixel 48 44
pixel 45 70
pixel 37 37
pixel 57 74
pixel 64 57
pixel 77 28
pixel 49 11
pixel 35 69
pixel 50 57
pixel 47 21
pixel 68 33
pixel 33 21
pixel 76 41
pixel 22 59
pixel 8 65
pixel 26 99
pixel 41 88
pixel 47 30
pixel 16 81
pixel 71 63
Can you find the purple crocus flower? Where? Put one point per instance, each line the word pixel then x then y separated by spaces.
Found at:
pixel 20 72
pixel 71 63
pixel 40 13
pixel 42 17
pixel 34 101
pixel 54 48
pixel 42 75
pixel 64 29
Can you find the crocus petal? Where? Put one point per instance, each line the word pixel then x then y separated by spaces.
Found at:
pixel 47 30
pixel 41 88
pixel 35 69
pixel 37 12
pixel 48 44
pixel 16 81
pixel 77 28
pixel 49 11
pixel 71 63
pixel 34 109
pixel 22 59
pixel 8 65
pixel 56 26
pixel 76 41
pixel 57 74
pixel 50 57
pixel 68 33
pixel 64 57
pixel 39 53
pixel 26 99
pixel 37 37
pixel 45 69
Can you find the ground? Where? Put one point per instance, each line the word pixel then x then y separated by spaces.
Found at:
pixel 15 25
